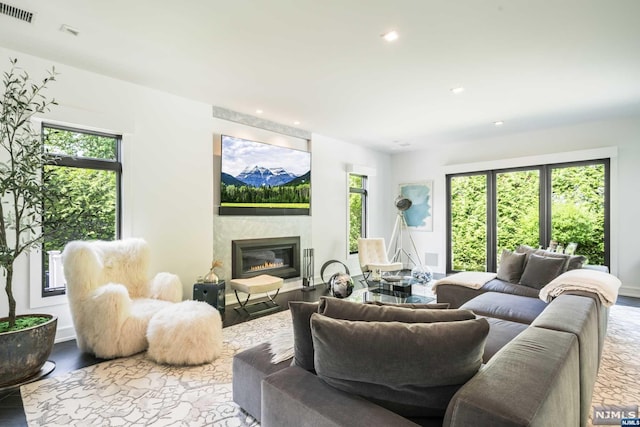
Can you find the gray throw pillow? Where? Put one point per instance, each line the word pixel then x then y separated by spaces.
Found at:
pixel 541 270
pixel 574 261
pixel 302 342
pixel 413 305
pixel 547 254
pixel 511 266
pixel 524 249
pixel 351 310
pixel 412 369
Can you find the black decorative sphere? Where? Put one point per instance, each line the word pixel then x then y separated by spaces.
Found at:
pixel 341 285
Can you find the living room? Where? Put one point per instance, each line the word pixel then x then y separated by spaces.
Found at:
pixel 171 139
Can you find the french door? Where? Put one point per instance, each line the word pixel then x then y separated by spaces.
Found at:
pixel 493 210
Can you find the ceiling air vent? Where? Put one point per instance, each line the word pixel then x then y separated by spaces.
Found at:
pixel 14 12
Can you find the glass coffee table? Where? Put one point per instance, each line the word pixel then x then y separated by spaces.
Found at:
pixel 406 290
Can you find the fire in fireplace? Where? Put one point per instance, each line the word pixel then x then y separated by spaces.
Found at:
pixel 279 256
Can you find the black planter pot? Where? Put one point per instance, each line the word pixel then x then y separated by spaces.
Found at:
pixel 24 352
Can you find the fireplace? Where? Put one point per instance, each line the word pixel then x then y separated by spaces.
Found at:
pixel 278 256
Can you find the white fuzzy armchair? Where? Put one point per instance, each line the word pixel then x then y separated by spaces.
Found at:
pixel 111 297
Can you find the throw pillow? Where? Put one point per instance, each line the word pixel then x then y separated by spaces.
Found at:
pixel 548 254
pixel 413 305
pixel 511 266
pixel 350 310
pixel 302 342
pixel 575 261
pixel 411 369
pixel 541 270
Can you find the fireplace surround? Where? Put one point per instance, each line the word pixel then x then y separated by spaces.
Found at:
pixel 276 256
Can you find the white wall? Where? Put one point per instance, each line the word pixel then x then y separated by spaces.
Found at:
pixel 168 177
pixel 623 134
pixel 331 159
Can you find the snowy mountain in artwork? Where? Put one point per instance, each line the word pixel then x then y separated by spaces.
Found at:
pixel 258 176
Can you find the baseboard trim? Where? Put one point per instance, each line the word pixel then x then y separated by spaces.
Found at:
pixel 629 292
pixel 67 333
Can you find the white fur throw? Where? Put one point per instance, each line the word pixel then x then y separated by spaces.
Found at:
pixel 186 333
pixel 281 346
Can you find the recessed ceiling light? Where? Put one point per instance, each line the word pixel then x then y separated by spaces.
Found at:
pixel 390 35
pixel 457 90
pixel 296 123
pixel 259 111
pixel 498 123
pixel 69 30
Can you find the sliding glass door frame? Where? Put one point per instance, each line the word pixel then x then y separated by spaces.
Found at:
pixel 545 217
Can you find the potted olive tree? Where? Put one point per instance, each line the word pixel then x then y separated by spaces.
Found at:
pixel 26 340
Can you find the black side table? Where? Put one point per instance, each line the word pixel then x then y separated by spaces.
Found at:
pixel 211 293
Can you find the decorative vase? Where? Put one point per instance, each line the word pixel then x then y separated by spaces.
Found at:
pixel 341 285
pixel 23 353
pixel 211 277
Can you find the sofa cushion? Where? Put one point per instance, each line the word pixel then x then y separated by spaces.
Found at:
pixel 250 367
pixel 431 305
pixel 302 343
pixel 541 270
pixel 501 332
pixel 573 261
pixel 350 310
pixel 412 369
pixel 577 315
pixel 294 397
pixel 497 285
pixel 511 266
pixel 515 308
pixel 533 381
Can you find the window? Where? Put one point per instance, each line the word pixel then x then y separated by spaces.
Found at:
pixel 84 170
pixel 494 210
pixel 357 210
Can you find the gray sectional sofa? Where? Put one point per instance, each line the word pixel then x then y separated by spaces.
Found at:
pixel 538 372
pixel 539 365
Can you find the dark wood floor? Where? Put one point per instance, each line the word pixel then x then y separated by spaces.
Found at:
pixel 68 358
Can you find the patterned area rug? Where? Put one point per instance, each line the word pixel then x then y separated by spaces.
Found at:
pixel 617 382
pixel 135 391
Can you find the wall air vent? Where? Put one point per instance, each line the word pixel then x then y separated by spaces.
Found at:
pixel 14 12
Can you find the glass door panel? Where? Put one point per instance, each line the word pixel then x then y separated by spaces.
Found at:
pixel 469 223
pixel 578 209
pixel 517 209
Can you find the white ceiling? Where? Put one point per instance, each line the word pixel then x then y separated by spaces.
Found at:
pixel 529 63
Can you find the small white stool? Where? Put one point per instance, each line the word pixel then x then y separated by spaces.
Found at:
pixel 254 285
pixel 185 333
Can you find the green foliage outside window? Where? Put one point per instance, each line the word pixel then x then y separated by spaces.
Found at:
pixel 577 209
pixel 518 209
pixel 93 192
pixel 577 213
pixel 357 195
pixel 91 216
pixel 469 223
